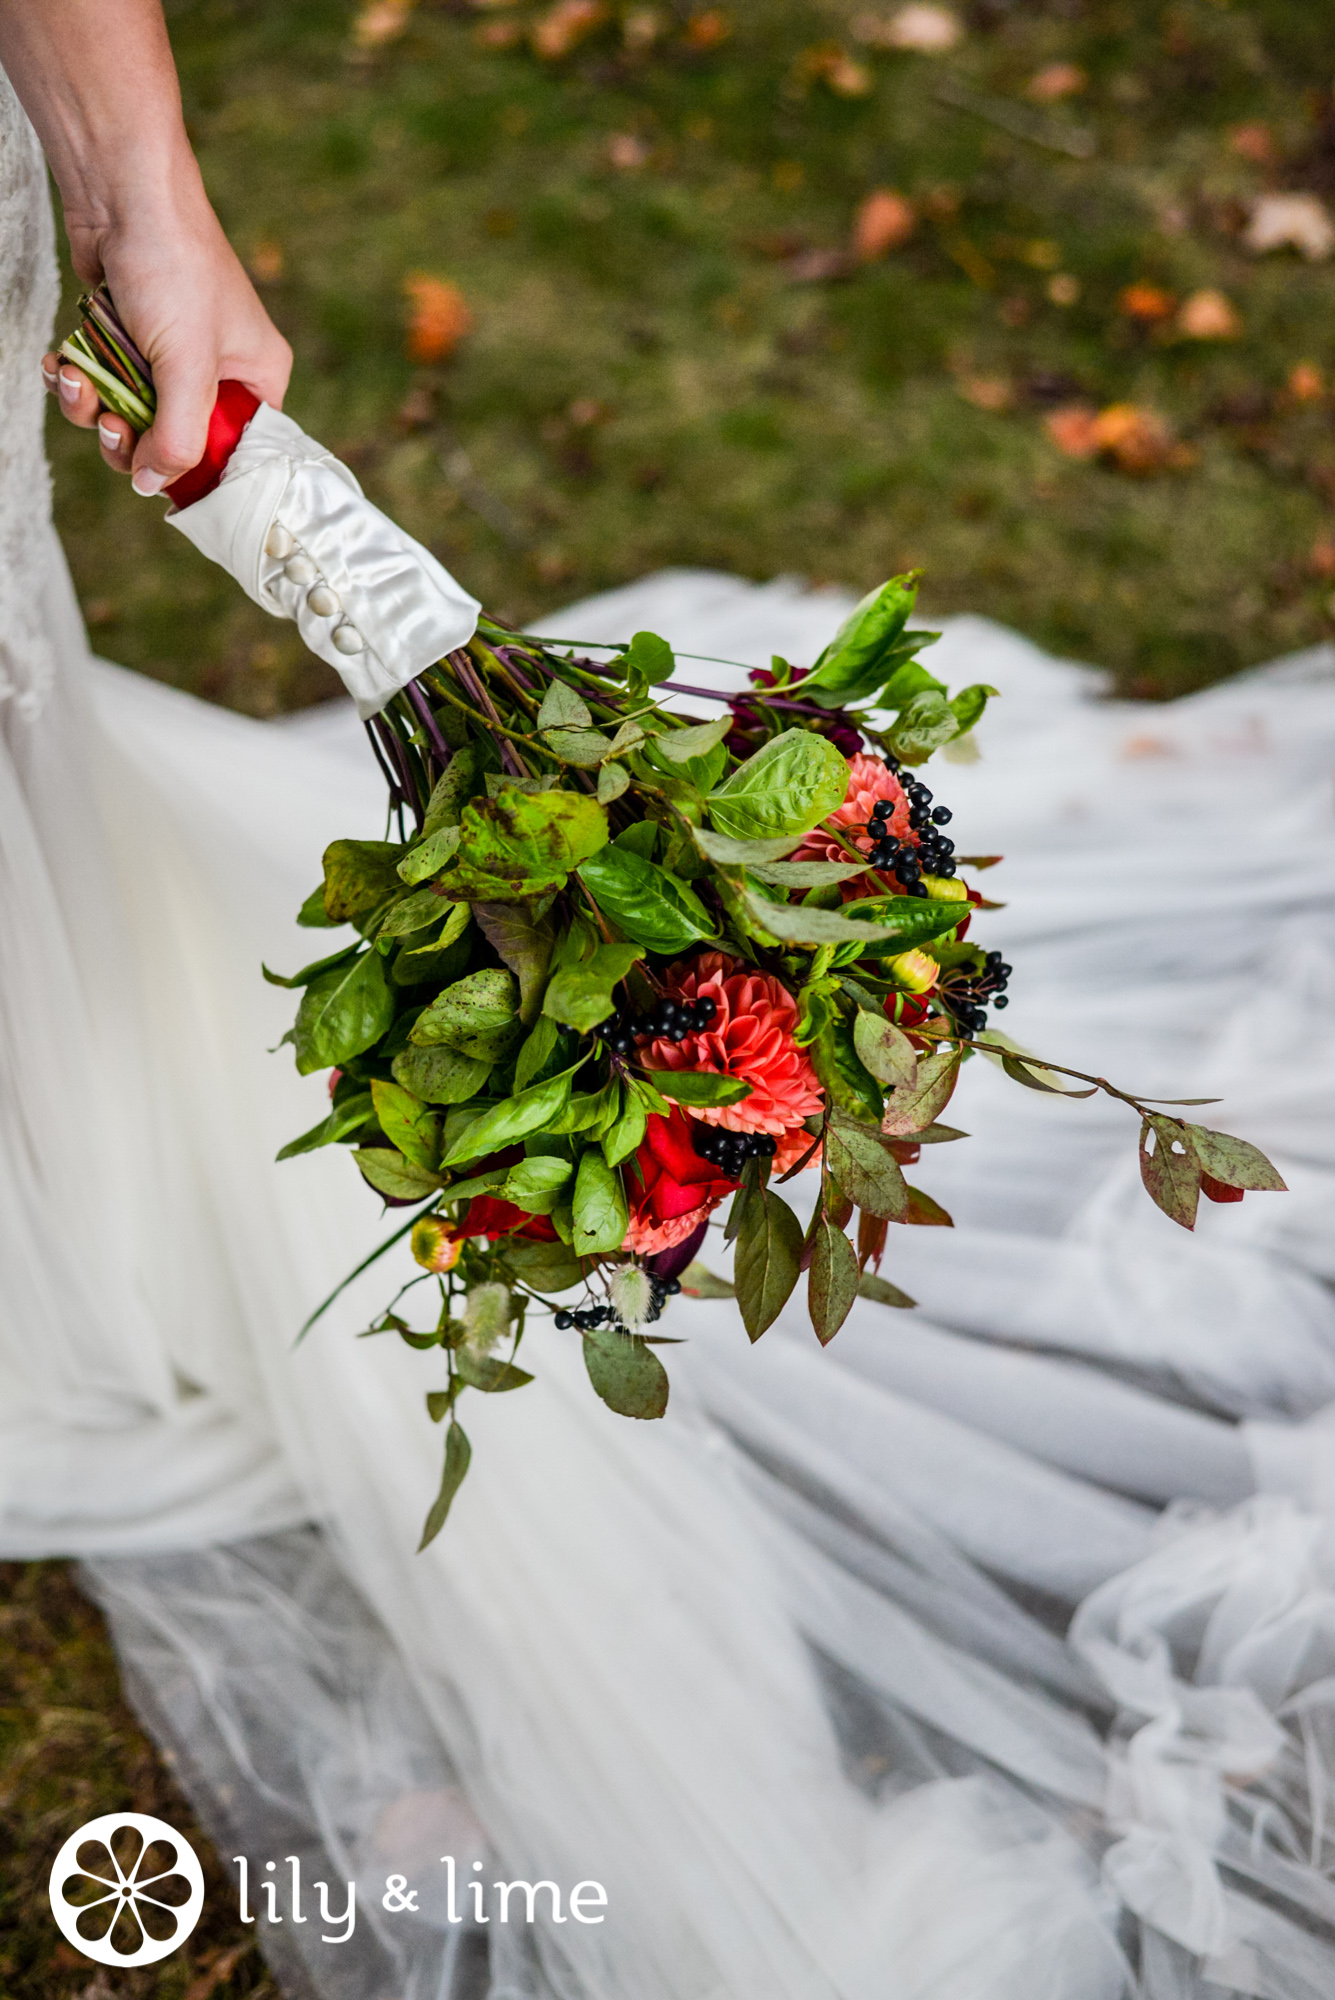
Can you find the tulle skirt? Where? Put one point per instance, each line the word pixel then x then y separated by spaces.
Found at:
pixel 987 1655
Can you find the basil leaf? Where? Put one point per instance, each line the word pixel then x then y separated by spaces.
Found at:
pixel 406 1123
pixel 523 945
pixel 411 913
pixel 310 972
pixel 908 920
pixel 854 663
pixel 312 914
pixel 530 1111
pixel 580 995
pixel 440 1075
pixel 476 1015
pixel 452 791
pixel 789 786
pixel 341 1123
pixel 540 1175
pixel 687 1086
pixel 395 1177
pixel 521 843
pixel 627 1134
pixel 427 857
pixel 653 908
pixel 601 1215
pixel 545 1268
pixel 743 853
pixel 343 1012
pixel 359 875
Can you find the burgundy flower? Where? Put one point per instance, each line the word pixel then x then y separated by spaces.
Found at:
pixel 671 1189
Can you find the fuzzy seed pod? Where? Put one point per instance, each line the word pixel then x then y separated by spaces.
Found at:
pixel 487 1315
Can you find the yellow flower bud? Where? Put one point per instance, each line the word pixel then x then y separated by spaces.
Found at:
pixel 915 970
pixel 433 1245
pixel 945 889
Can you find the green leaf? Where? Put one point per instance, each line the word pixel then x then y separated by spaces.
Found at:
pixel 546 1268
pixel 1170 1169
pixel 628 1132
pixel 313 971
pixel 768 1258
pixel 343 1012
pixel 523 945
pixel 584 1111
pixel 562 708
pixel 907 920
pixel 412 913
pixel 359 875
pixel 752 854
pixel 833 1282
pixel 476 1015
pixel 910 677
pixel 864 1171
pixel 394 1176
pixel 584 748
pixel 581 995
pixel 529 1111
pixel 341 1122
pixel 968 705
pixel 536 1052
pixel 535 1177
pixel 626 1373
pixel 522 843
pixel 1029 1075
pixel 485 1372
pixel 855 662
pixel 601 1215
pixel 924 1211
pixel 850 1084
pixel 458 1451
pixel 440 1075
pixel 1235 1162
pixel 628 1376
pixel 806 874
pixel 789 786
pixel 915 1105
pixel 699 1282
pixel 312 914
pixel 406 1123
pixel 437 960
pixel 628 737
pixel 452 791
pixel 927 723
pixel 653 908
pixel 647 660
pixel 884 1293
pixel 679 746
pixel 687 1086
pixel 613 780
pixel 429 855
pixel 884 1049
pixel 439 1402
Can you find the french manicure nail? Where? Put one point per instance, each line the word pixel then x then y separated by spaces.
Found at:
pixel 49 376
pixel 148 483
pixel 69 387
pixel 110 439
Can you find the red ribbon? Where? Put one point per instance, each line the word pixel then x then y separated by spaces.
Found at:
pixel 235 407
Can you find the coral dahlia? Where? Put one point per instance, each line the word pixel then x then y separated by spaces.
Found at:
pixel 750 1036
pixel 868 781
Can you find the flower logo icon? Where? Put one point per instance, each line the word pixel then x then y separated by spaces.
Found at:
pixel 126 1889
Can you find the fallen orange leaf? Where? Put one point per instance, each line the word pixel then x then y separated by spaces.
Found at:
pixel 1138 440
pixel 884 221
pixel 1253 141
pixel 1321 561
pixel 987 392
pixel 706 31
pixel 1307 384
pixel 563 27
pixel 1208 315
pixel 1056 81
pixel 1146 302
pixel 380 22
pixel 438 321
pixel 1072 430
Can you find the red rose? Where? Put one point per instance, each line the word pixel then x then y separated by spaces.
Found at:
pixel 675 1189
pixel 489 1216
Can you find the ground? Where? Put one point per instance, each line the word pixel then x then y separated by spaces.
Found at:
pixel 678 355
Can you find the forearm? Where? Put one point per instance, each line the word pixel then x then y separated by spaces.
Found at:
pixel 98 81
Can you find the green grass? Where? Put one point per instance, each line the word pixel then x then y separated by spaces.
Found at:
pixel 647 383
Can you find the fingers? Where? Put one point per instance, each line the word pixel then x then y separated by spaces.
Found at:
pixel 117 441
pixel 187 387
pixel 75 393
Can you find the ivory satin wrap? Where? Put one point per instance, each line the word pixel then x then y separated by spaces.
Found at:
pixel 406 609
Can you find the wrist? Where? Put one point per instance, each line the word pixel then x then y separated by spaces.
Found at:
pixel 149 188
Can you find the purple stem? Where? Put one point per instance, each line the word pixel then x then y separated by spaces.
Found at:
pixel 400 762
pixel 470 683
pixel 432 727
pixel 396 797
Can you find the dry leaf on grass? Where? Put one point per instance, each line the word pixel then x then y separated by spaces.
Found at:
pixel 627 152
pixel 923 30
pixel 1208 315
pixel 987 392
pixel 884 221
pixel 1135 439
pixel 1056 81
pixel 563 27
pixel 1254 142
pixel 1290 221
pixel 381 22
pixel 438 321
pixel 706 31
pixel 1146 303
pixel 1306 383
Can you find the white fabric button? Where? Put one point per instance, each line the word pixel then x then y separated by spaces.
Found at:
pixel 347 638
pixel 323 601
pixel 300 569
pixel 279 543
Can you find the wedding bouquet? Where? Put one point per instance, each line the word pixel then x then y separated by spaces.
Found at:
pixel 615 965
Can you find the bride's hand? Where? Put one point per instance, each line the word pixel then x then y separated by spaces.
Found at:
pixel 185 300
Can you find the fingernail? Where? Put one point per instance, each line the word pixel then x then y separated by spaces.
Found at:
pixel 49 376
pixel 111 439
pixel 69 387
pixel 148 483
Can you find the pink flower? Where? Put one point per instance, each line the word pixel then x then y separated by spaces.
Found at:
pixel 868 781
pixel 671 1189
pixel 750 1036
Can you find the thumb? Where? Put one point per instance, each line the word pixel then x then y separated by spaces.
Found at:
pixel 187 388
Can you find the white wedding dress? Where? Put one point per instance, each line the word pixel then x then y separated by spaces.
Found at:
pixel 988 1655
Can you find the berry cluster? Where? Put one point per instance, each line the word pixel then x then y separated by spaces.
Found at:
pixel 906 860
pixel 730 1151
pixel 969 999
pixel 584 1318
pixel 669 1020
